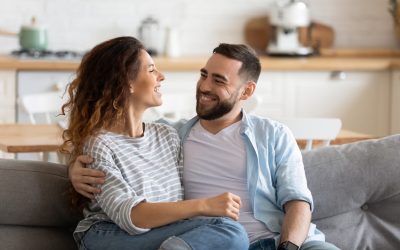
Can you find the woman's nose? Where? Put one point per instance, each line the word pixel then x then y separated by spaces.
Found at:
pixel 161 76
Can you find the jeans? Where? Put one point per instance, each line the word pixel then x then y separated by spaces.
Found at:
pixel 194 234
pixel 269 244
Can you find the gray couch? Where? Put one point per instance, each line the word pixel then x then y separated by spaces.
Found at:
pixel 356 188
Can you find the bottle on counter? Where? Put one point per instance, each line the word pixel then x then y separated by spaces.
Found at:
pixel 172 42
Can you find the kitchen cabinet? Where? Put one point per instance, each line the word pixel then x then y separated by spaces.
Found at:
pixel 7 96
pixel 395 98
pixel 360 99
pixel 7 100
pixel 178 95
pixel 366 101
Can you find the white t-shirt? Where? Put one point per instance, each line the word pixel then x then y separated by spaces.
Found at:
pixel 214 164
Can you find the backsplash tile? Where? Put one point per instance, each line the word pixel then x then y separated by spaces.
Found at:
pixel 80 24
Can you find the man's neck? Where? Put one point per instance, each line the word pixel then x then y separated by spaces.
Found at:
pixel 214 126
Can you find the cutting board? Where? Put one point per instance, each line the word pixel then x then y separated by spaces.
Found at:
pixel 258 32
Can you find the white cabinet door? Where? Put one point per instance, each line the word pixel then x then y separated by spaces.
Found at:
pixel 270 89
pixel 395 121
pixel 7 96
pixel 360 99
pixel 178 95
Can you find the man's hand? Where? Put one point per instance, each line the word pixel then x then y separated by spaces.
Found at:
pixel 83 178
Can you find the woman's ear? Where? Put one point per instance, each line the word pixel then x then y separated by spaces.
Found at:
pixel 248 90
pixel 131 87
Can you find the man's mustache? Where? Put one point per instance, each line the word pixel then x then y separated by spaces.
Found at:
pixel 208 93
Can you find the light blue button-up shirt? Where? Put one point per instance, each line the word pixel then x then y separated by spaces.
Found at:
pixel 275 170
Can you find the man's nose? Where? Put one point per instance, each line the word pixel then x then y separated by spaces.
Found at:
pixel 204 84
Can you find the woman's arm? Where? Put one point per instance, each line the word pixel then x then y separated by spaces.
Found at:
pixel 150 215
pixel 147 215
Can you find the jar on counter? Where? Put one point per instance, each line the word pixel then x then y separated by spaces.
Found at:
pixel 149 35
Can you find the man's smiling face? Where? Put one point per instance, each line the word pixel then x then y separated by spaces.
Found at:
pixel 219 87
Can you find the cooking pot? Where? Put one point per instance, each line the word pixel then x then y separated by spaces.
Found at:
pixel 31 37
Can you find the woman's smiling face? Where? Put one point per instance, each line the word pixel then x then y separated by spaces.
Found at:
pixel 146 87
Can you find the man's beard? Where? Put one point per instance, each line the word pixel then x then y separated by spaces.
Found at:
pixel 219 110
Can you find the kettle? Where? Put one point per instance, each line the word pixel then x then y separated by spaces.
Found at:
pixel 149 35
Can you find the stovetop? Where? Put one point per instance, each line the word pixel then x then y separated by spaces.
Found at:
pixel 48 54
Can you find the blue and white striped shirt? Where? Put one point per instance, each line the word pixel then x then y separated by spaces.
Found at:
pixel 137 169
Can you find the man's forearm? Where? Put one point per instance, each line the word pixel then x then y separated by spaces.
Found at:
pixel 296 222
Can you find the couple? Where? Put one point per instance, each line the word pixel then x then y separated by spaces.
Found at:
pixel 250 167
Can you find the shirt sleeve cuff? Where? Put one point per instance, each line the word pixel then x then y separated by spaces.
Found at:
pixel 131 228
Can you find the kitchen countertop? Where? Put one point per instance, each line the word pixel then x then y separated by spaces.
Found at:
pixel 333 59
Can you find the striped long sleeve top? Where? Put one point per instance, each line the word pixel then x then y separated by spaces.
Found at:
pixel 137 169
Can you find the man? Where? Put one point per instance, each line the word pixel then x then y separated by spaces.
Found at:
pixel 227 150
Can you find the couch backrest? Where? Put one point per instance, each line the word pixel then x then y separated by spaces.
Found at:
pixel 356 190
pixel 34 206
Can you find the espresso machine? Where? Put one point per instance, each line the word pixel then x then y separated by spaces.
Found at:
pixel 289 19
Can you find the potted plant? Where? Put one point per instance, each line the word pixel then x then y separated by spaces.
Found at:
pixel 394 9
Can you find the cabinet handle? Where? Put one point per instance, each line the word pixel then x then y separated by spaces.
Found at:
pixel 338 75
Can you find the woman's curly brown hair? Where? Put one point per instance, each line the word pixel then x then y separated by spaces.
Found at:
pixel 98 96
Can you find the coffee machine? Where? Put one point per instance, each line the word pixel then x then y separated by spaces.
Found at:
pixel 288 19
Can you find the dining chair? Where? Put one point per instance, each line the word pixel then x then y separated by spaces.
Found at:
pixel 47 105
pixel 42 108
pixel 311 129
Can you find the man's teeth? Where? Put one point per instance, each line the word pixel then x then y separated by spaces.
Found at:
pixel 206 98
pixel 157 89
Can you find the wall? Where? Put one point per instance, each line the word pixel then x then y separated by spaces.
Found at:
pixel 80 24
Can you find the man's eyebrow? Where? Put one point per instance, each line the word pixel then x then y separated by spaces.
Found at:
pixel 203 71
pixel 150 65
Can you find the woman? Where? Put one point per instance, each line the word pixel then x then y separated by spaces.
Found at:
pixel 141 205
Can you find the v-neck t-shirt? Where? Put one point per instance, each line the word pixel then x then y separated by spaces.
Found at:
pixel 216 163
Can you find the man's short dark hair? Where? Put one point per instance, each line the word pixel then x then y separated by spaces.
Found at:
pixel 251 66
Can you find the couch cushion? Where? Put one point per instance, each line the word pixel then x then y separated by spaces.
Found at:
pixel 34 193
pixel 36 238
pixel 356 191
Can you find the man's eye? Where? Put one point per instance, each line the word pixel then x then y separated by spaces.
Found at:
pixel 203 75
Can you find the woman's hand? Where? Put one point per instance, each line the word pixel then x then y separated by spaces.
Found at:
pixel 83 178
pixel 147 215
pixel 226 204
